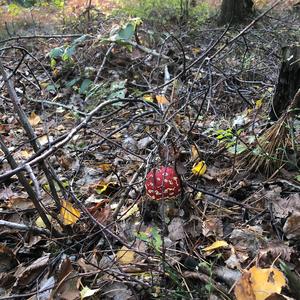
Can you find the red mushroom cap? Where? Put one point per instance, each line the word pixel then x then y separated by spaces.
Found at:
pixel 162 183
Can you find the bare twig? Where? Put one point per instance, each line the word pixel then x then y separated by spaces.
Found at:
pixel 23 227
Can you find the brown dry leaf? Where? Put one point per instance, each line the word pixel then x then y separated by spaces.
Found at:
pixel 116 291
pixel 68 213
pixel 105 167
pixel 276 249
pixel 291 227
pixel 212 227
pixel 7 259
pixel 176 229
pixel 161 99
pixel 246 240
pixel 67 288
pixel 20 202
pixel 195 152
pixel 101 211
pixel 25 276
pixel 125 256
pixel 6 193
pixel 34 119
pixel 282 207
pixel 85 266
pixel 243 289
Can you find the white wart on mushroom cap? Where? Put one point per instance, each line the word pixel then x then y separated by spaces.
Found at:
pixel 162 183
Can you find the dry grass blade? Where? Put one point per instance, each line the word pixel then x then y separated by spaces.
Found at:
pixel 271 148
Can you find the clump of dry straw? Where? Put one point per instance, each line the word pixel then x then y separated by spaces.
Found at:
pixel 272 148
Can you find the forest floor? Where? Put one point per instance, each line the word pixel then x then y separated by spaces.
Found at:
pixel 113 101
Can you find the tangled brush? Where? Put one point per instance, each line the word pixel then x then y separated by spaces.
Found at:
pixel 272 148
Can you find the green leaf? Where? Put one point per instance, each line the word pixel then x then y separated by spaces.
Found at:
pixel 238 149
pixel 117 90
pixel 124 34
pixel 157 238
pixel 52 63
pixel 142 236
pixel 14 9
pixel 56 52
pixel 79 40
pixel 85 85
pixel 51 88
pixel 72 82
pixel 59 3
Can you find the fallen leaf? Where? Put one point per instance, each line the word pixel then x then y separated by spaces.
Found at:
pixel 212 227
pixel 243 289
pixel 265 282
pixel 7 259
pixel 68 213
pixel 148 98
pixel 130 212
pixel 259 284
pixel 176 230
pixel 87 292
pixel 161 99
pixel 26 276
pixel 258 103
pixel 276 249
pixel 25 154
pixel 125 256
pixel 20 202
pixel 34 119
pixel 40 223
pixel 216 245
pixel 116 291
pixel 200 168
pixel 105 167
pixel 195 152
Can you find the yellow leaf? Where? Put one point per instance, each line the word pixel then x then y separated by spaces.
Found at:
pixel 34 119
pixel 243 289
pixel 196 50
pixel 198 196
pixel 200 168
pixel 68 213
pixel 148 98
pixel 161 99
pixel 265 282
pixel 258 103
pixel 40 223
pixel 216 245
pixel 125 256
pixel 130 212
pixel 25 154
pixel 102 186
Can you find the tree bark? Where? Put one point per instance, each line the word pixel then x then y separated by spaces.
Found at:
pixel 288 81
pixel 235 11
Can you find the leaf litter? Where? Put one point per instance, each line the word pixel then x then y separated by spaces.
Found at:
pixel 228 233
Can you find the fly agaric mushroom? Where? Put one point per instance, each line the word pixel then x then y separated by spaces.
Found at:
pixel 162 183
